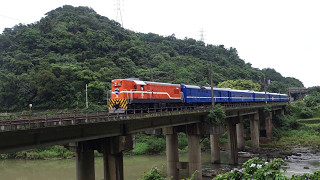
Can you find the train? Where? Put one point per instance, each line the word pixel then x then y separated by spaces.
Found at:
pixel 137 94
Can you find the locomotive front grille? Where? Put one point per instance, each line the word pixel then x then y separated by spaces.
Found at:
pixel 118 105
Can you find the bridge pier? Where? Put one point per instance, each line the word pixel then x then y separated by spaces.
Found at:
pixel 84 161
pixel 254 127
pixel 112 149
pixel 112 158
pixel 172 152
pixel 232 141
pixel 240 133
pixel 268 120
pixel 194 150
pixel 215 144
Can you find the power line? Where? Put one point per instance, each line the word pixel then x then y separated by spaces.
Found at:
pixel 12 18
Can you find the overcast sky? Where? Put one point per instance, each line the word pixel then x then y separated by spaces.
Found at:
pixel 279 34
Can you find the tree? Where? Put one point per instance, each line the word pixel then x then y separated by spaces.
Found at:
pixel 240 84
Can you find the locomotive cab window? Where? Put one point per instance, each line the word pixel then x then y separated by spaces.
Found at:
pixel 142 88
pixel 135 87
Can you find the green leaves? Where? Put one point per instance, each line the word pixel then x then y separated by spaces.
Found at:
pixel 256 169
pixel 241 84
pixel 216 116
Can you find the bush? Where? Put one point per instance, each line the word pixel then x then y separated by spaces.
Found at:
pixel 141 148
pixel 306 113
pixel 299 109
pixel 150 144
pixel 40 153
pixel 256 169
pixel 153 174
pixel 315 175
pixel 216 116
pixel 182 140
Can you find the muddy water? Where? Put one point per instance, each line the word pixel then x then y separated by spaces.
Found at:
pixel 134 166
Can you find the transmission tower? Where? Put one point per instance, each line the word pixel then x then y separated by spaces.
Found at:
pixel 119 6
pixel 201 35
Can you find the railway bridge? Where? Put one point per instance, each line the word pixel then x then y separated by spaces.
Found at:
pixel 114 134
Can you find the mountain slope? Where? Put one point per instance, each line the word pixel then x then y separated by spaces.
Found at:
pixel 49 62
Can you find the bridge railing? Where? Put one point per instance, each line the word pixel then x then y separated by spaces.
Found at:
pixel 35 122
pixel 76 119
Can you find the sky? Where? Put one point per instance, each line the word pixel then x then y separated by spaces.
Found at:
pixel 279 34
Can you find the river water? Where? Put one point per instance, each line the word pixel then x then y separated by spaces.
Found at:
pixel 134 166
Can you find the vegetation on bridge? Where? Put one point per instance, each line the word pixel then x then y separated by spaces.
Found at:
pixel 48 63
pixel 216 116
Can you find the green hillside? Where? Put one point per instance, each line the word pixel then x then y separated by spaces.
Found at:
pixel 48 63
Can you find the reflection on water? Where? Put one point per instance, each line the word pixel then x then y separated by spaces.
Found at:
pixel 134 166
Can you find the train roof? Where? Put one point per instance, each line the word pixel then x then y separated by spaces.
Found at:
pixel 258 92
pixel 236 90
pixel 283 94
pixel 139 82
pixel 166 84
pixel 274 93
pixel 204 87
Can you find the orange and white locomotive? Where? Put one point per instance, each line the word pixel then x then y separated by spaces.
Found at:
pixel 136 94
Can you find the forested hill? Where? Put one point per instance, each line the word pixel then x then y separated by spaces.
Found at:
pixel 49 62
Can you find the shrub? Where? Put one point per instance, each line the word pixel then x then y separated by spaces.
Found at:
pixel 152 143
pixel 306 113
pixel 216 116
pixel 299 109
pixel 141 148
pixel 153 174
pixel 315 175
pixel 182 140
pixel 256 169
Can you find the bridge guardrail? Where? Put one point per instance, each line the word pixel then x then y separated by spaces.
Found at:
pixel 85 118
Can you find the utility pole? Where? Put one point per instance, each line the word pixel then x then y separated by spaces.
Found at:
pixel 211 81
pixel 151 74
pixel 265 89
pixel 87 104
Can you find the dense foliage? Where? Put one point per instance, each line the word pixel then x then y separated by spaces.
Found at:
pixel 313 98
pixel 216 115
pixel 258 169
pixel 154 174
pixel 255 168
pixel 48 63
pixel 241 84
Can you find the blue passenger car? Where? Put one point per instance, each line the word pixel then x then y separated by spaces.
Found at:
pixel 284 97
pixel 197 94
pixel 273 97
pixel 260 96
pixel 241 96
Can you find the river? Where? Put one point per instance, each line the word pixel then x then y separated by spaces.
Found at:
pixel 134 166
